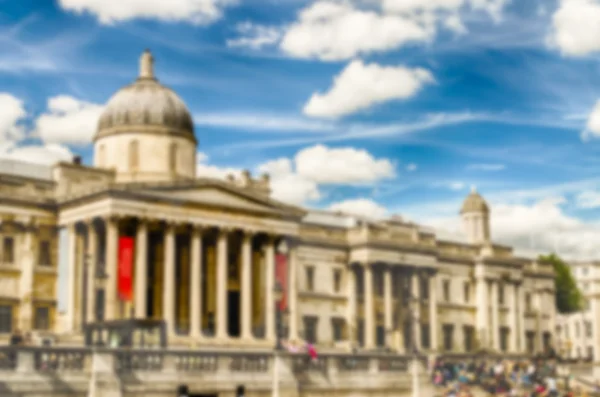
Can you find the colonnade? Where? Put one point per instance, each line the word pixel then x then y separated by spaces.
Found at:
pixel 203 281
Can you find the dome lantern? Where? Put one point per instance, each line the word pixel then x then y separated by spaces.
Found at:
pixel 147 65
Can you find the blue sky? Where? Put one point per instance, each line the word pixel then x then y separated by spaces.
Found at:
pixel 505 92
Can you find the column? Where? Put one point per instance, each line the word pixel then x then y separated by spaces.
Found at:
pixel 270 286
pixel 293 292
pixel 495 331
pixel 112 240
pixel 351 306
pixel 92 268
pixel 520 292
pixel 369 330
pixel 417 308
pixel 433 320
pixel 388 309
pixel 482 315
pixel 247 286
pixel 27 262
pixel 141 269
pixel 513 317
pixel 169 279
pixel 196 283
pixel 72 285
pixel 79 278
pixel 538 322
pixel 222 301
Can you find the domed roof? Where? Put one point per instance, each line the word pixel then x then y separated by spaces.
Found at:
pixel 474 203
pixel 146 106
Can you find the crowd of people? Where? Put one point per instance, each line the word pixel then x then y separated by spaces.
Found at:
pixel 507 378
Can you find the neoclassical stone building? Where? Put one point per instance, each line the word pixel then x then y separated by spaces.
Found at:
pixel 206 253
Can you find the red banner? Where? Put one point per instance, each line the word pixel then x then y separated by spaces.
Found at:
pixel 125 271
pixel 281 276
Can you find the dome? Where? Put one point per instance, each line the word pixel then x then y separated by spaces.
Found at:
pixel 146 106
pixel 474 203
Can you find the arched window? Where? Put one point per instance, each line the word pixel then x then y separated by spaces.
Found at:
pixel 100 161
pixel 134 155
pixel 173 157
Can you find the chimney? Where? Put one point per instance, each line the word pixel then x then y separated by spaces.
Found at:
pixel 77 160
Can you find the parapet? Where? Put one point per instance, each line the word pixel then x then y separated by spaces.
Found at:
pixel 260 185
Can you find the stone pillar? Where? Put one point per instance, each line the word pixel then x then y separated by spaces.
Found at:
pixel 112 241
pixel 169 279
pixel 513 318
pixel 388 309
pixel 222 301
pixel 27 261
pixel 72 285
pixel 196 282
pixel 270 286
pixel 351 306
pixel 521 340
pixel 369 330
pixel 483 309
pixel 417 307
pixel 433 319
pixel 79 279
pixel 293 292
pixel 141 269
pixel 495 327
pixel 92 268
pixel 246 298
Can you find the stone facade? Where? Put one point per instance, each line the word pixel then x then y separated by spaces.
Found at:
pixel 206 251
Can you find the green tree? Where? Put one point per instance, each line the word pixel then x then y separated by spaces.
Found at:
pixel 569 298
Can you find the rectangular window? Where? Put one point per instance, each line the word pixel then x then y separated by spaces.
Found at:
pixel 425 336
pixel 378 283
pixel 467 292
pixel 44 254
pixel 99 314
pixel 446 290
pixel 310 328
pixel 424 288
pixel 8 250
pixel 310 278
pixel 528 302
pixel 530 340
pixel 337 328
pixel 469 337
pixel 590 353
pixel 448 332
pixel 588 329
pixel 337 280
pixel 501 294
pixel 504 333
pixel 6 319
pixel 42 318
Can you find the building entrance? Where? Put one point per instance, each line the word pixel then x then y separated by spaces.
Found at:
pixel 233 315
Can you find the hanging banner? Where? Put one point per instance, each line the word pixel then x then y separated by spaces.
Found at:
pixel 281 276
pixel 125 270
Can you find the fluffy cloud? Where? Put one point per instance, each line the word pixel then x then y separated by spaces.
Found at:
pixel 486 167
pixel 205 170
pixel 12 113
pixel 111 11
pixel 287 185
pixel 360 207
pixel 592 129
pixel 576 27
pixel 255 36
pixel 588 199
pixel 38 154
pixel 331 30
pixel 68 121
pixel 361 86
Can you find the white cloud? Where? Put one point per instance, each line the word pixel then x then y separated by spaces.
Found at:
pixel 12 113
pixel 411 167
pixel 205 170
pixel 68 120
pixel 592 129
pixel 486 167
pixel 361 86
pixel 255 36
pixel 456 185
pixel 112 11
pixel 262 122
pixel 345 165
pixel 588 199
pixel 576 27
pixel 331 30
pixel 287 185
pixel 360 207
pixel 38 154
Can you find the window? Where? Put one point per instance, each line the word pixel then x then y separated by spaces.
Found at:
pixel 448 331
pixel 337 280
pixel 173 157
pixel 134 149
pixel 8 250
pixel 530 341
pixel 504 333
pixel 310 278
pixel 425 336
pixel 310 328
pixel 446 290
pixel 337 328
pixel 469 335
pixel 44 254
pixel 6 317
pixel 588 329
pixel 99 312
pixel 501 294
pixel 42 318
pixel 590 353
pixel 380 336
pixel 528 302
pixel 424 287
pixel 467 292
pixel 378 283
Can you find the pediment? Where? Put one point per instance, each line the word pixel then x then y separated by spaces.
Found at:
pixel 218 196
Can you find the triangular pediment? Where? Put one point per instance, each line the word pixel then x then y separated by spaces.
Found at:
pixel 217 195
